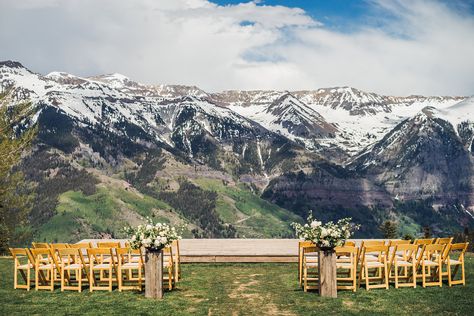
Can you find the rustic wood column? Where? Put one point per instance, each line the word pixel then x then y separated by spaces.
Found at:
pixel 327 273
pixel 154 274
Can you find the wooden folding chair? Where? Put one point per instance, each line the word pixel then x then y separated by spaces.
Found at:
pixel 404 258
pixel 455 258
pixel 168 267
pixel 301 245
pixel 21 264
pixel 71 264
pixel 113 245
pixel 98 263
pixel 431 257
pixel 310 267
pixel 177 260
pixel 374 257
pixel 392 244
pixel 125 263
pixel 44 262
pixel 347 262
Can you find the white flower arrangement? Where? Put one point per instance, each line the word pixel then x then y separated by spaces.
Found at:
pixel 329 235
pixel 152 236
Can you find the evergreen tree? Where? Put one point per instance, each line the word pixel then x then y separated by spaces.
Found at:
pixel 15 200
pixel 389 229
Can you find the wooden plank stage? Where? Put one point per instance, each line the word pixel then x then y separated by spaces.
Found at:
pixel 234 250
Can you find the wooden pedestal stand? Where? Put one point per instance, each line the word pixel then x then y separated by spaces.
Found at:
pixel 327 273
pixel 154 274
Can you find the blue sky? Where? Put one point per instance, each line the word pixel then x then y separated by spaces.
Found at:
pixel 394 47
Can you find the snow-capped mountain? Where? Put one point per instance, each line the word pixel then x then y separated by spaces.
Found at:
pixel 329 147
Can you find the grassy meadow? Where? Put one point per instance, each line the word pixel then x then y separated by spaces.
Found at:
pixel 239 289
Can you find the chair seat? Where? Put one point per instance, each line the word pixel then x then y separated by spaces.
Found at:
pixel 429 263
pixel 454 262
pixel 345 265
pixel 403 263
pixel 73 266
pixel 130 265
pixel 370 257
pixel 102 266
pixel 374 264
pixel 47 266
pixel 25 266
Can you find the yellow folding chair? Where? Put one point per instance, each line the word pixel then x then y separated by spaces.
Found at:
pixel 455 258
pixel 113 245
pixel 392 244
pixel 374 258
pixel 404 258
pixel 310 268
pixel 44 262
pixel 301 245
pixel 431 258
pixel 21 264
pixel 347 262
pixel 71 264
pixel 97 263
pixel 125 263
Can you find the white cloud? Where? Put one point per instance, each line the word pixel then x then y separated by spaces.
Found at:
pixel 418 46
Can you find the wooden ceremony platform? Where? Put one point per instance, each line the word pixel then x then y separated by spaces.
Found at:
pixel 234 250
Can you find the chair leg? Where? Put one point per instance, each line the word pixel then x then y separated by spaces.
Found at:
pixel 79 272
pixel 423 275
pixel 28 279
pixel 463 276
pixel 62 279
pixel 396 276
pixel 91 279
pixel 305 279
pixel 366 270
pixel 386 274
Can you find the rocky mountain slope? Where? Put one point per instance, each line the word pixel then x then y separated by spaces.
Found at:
pixel 206 157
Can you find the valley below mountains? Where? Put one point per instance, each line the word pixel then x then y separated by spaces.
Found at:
pixel 106 151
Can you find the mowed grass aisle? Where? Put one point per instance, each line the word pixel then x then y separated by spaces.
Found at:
pixel 238 289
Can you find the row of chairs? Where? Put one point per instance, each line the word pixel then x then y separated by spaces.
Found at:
pixel 100 266
pixel 376 263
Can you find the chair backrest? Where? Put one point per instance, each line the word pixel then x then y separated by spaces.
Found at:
pixel 83 245
pixel 395 242
pixel 40 245
pixel 427 241
pixel 433 249
pixel 42 255
pixel 97 255
pixel 19 255
pixel 124 255
pixel 445 240
pixel 350 251
pixel 69 256
pixel 408 252
pixel 309 249
pixel 459 248
pixel 380 251
pixel 368 243
pixel 349 243
pixel 108 244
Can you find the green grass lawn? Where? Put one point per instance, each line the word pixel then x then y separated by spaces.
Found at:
pixel 239 289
